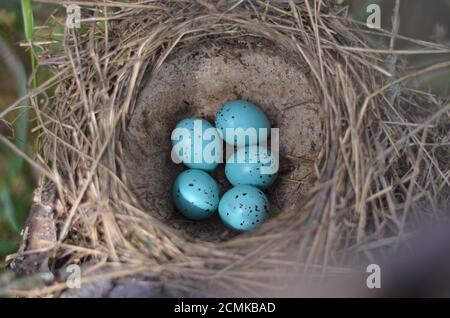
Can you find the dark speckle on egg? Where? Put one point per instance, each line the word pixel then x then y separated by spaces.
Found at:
pixel 244 212
pixel 196 198
pixel 249 172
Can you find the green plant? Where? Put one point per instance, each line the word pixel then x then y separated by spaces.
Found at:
pixel 14 189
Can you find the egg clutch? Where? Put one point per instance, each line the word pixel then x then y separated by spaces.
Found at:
pixel 251 168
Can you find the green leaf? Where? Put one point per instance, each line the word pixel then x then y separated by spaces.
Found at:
pixel 28 24
pixel 28 20
pixel 8 208
pixel 7 247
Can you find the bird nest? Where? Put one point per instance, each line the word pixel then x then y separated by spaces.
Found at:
pixel 362 159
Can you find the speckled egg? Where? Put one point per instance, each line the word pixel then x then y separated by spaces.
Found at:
pixel 196 194
pixel 252 165
pixel 200 147
pixel 241 114
pixel 243 208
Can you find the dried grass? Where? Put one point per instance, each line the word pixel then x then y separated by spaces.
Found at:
pixel 383 167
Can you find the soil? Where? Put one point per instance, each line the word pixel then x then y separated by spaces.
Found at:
pixel 196 82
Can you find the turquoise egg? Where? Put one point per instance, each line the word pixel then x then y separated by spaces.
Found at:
pixel 252 165
pixel 243 208
pixel 196 194
pixel 241 114
pixel 198 145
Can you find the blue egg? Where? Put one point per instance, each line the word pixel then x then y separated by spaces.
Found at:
pixel 197 144
pixel 240 114
pixel 243 208
pixel 252 165
pixel 196 194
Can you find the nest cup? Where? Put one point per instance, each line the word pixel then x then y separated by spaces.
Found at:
pixel 344 171
pixel 195 82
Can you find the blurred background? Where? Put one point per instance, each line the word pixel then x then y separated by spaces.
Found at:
pixel 19 19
